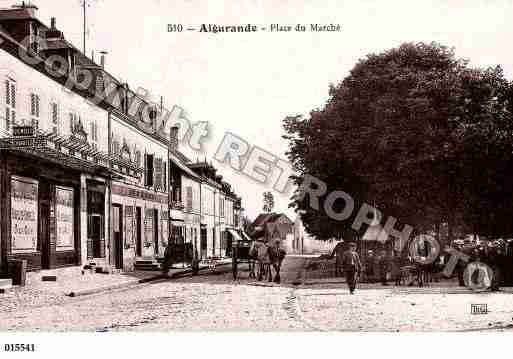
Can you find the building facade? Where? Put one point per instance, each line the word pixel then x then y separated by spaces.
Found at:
pixel 81 181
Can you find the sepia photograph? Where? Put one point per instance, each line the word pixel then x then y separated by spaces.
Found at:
pixel 260 167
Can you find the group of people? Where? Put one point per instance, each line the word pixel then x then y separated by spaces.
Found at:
pixel 373 268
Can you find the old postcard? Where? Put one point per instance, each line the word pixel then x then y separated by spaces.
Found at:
pixel 255 166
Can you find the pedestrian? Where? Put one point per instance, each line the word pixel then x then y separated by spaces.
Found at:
pixel 168 259
pixel 383 267
pixel 338 253
pixel 369 267
pixel 396 268
pixel 352 266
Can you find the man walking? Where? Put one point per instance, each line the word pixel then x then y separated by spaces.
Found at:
pixel 352 266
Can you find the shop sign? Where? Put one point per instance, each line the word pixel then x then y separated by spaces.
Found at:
pixel 64 218
pixel 24 196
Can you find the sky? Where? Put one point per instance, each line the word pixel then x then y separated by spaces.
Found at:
pixel 246 83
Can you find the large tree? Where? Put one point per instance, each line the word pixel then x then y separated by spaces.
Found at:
pixel 398 132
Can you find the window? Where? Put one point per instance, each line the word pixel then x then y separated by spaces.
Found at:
pixel 34 110
pixel 221 207
pixel 54 108
pixel 10 104
pixel 138 158
pixel 94 134
pixel 73 121
pixel 158 174
pixel 148 169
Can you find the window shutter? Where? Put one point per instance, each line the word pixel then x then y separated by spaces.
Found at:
pixel 189 197
pixel 7 118
pixel 7 94
pixel 32 105
pixel 164 176
pixel 146 169
pixel 54 113
pixel 13 96
pixel 71 120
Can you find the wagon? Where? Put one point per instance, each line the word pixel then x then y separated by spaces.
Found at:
pixel 241 254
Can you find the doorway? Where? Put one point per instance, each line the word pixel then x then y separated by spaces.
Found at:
pixel 138 224
pixel 203 243
pixel 117 225
pixel 44 234
pixel 156 230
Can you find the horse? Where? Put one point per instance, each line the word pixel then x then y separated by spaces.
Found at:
pixel 276 257
pixel 268 257
pixel 252 260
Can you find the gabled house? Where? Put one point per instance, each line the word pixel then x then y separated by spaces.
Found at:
pixel 275 226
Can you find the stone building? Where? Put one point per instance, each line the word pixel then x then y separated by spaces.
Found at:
pixel 277 226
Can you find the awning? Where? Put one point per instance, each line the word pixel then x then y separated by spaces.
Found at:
pixel 244 234
pixel 64 151
pixel 235 235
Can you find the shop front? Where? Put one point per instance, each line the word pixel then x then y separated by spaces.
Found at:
pixel 43 197
pixel 139 224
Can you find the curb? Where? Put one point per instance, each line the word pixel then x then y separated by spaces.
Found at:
pixel 84 292
pixel 160 277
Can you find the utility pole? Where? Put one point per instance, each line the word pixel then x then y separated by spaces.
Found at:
pixel 84 3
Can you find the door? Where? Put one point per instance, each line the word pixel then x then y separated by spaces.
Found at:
pixel 156 230
pixel 203 243
pixel 117 227
pixel 138 239
pixel 44 234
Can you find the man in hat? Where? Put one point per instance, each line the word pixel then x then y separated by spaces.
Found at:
pixel 352 266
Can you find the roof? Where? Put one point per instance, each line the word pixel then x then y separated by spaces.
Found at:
pixel 265 218
pixel 26 13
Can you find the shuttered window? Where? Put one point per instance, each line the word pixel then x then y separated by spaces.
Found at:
pixel 148 170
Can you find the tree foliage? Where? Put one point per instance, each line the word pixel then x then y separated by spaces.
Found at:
pixel 417 132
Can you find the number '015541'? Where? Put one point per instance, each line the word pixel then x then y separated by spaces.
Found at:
pixel 19 347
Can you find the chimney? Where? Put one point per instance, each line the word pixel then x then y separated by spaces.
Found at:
pixel 102 59
pixel 52 26
pixel 173 138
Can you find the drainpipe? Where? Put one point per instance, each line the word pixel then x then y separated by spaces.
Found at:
pixel 109 185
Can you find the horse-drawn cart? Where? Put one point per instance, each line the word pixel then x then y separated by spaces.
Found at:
pixel 241 254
